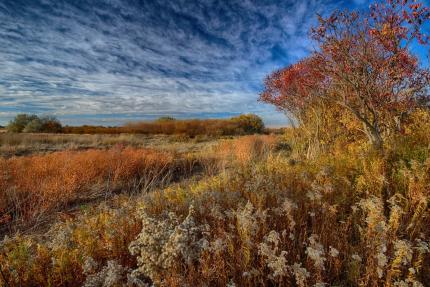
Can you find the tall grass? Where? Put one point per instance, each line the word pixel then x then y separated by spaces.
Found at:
pixel 357 219
pixel 31 187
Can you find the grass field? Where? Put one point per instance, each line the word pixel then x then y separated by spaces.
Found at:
pixel 14 144
pixel 251 211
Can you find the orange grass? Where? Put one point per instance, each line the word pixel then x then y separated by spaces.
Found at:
pixel 33 186
pixel 247 148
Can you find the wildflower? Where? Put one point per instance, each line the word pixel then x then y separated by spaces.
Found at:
pixel 62 238
pixel 375 216
pixel 132 280
pixel 315 251
pixel 381 260
pixel 287 208
pixel 216 213
pixel 217 246
pixel 166 242
pixel 184 242
pixel 90 265
pixel 291 236
pixel 401 283
pixel 273 237
pixel 356 257
pixel 246 220
pixel 111 275
pixel 333 252
pixel 314 195
pixel 275 260
pixel 403 251
pixel 300 273
pixel 422 246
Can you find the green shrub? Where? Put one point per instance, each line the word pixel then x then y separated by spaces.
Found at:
pixel 34 124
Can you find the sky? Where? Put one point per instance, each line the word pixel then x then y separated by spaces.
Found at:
pixel 108 62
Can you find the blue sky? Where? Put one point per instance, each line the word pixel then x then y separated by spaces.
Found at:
pixel 112 61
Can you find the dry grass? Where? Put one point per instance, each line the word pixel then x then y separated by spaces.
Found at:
pixel 247 148
pixel 27 144
pixel 357 219
pixel 32 187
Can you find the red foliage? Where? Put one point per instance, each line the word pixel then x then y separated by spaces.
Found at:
pixel 364 64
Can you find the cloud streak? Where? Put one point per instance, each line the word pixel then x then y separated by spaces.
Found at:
pixel 115 60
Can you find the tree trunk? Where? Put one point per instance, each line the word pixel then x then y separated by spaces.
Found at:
pixel 375 137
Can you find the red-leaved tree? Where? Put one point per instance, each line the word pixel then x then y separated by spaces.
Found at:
pixel 363 64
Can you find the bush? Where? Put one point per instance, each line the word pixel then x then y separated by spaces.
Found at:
pixel 249 123
pixel 34 124
pixel 18 124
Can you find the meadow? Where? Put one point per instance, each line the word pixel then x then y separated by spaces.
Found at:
pixel 339 198
pixel 248 211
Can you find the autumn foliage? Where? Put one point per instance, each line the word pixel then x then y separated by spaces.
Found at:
pixel 240 125
pixel 363 67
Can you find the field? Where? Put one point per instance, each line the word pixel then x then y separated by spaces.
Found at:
pixel 339 198
pixel 129 210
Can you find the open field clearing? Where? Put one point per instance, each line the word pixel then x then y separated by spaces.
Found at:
pixel 33 187
pixel 258 214
pixel 12 144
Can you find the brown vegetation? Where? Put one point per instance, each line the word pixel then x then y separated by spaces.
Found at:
pixel 243 124
pixel 34 186
pixel 18 144
pixel 342 200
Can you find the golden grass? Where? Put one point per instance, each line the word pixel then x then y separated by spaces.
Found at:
pixel 26 144
pixel 33 186
pixel 357 219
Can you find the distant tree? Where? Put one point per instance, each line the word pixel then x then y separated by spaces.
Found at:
pixel 50 124
pixel 249 123
pixel 20 121
pixel 363 66
pixel 33 124
pixel 165 119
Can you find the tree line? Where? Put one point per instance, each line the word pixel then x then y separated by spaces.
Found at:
pixel 239 125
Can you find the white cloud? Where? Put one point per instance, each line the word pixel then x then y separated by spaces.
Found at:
pixel 166 57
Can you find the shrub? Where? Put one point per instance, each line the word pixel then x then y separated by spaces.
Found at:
pixel 249 123
pixel 34 124
pixel 18 124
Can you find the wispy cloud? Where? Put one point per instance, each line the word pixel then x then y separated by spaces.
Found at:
pixel 115 60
